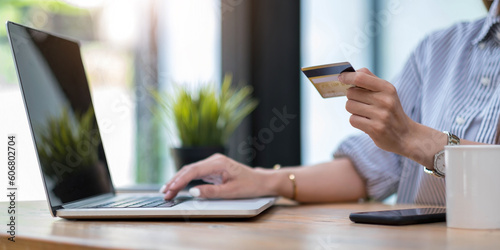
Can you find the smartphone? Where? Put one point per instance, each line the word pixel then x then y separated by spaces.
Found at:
pixel 401 217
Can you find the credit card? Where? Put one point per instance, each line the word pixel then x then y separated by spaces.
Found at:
pixel 325 78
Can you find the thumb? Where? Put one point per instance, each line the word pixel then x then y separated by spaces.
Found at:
pixel 210 191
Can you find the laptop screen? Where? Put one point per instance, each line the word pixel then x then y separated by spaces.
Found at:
pixel 61 115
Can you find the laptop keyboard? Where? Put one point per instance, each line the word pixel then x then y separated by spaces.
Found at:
pixel 141 202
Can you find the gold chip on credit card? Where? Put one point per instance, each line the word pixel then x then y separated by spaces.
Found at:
pixel 325 78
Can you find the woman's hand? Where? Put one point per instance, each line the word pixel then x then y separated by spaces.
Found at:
pixel 230 179
pixel 376 110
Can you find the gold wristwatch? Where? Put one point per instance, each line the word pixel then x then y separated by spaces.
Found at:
pixel 439 166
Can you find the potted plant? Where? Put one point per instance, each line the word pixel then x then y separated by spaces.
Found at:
pixel 203 119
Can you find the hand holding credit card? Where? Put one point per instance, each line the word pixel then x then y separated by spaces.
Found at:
pixel 325 78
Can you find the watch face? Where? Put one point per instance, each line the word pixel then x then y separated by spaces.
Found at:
pixel 440 163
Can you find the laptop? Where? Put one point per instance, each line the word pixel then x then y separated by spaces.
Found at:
pixel 68 143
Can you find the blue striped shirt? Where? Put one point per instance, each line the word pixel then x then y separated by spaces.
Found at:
pixel 449 83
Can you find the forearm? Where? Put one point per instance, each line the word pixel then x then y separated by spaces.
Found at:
pixel 424 142
pixel 333 181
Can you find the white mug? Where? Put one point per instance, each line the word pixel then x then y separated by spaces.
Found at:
pixel 473 186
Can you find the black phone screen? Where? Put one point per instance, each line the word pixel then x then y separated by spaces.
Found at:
pixel 400 217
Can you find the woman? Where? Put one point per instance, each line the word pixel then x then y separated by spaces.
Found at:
pixel 449 83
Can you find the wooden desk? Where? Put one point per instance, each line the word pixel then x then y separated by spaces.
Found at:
pixel 284 226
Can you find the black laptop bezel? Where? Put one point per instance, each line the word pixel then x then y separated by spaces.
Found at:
pixel 53 208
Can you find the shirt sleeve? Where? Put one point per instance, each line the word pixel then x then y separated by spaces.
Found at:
pixel 378 168
pixel 381 170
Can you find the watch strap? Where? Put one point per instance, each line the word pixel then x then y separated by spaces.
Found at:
pixel 453 140
pixel 433 173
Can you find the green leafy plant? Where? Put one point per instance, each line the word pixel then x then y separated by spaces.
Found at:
pixel 205 117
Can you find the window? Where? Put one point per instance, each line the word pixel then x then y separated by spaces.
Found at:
pixel 183 38
pixel 107 31
pixel 189 49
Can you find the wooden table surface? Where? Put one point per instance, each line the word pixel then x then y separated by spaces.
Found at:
pixel 284 226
